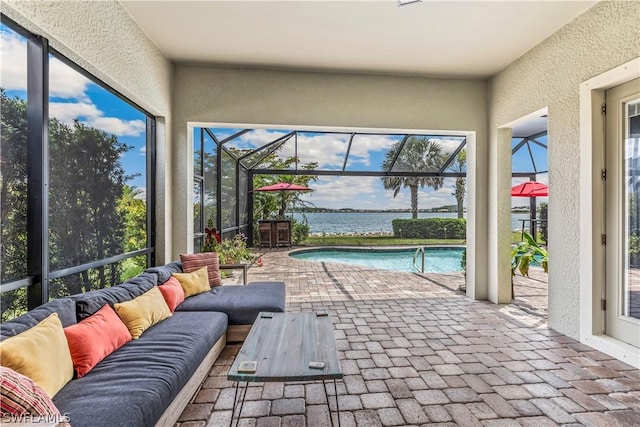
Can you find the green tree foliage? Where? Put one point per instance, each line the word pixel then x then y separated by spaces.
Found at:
pixel 419 154
pixel 459 191
pixel 86 181
pixel 13 201
pixel 133 209
pixel 93 214
pixel 13 191
pixel 543 209
pixel 277 203
pixel 269 204
pixel 430 228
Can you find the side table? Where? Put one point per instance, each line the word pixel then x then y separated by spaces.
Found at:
pixel 243 267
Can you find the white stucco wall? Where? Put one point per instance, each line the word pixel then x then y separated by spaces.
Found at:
pixel 549 76
pixel 268 97
pixel 100 37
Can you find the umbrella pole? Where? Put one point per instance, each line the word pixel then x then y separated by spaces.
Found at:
pixel 532 211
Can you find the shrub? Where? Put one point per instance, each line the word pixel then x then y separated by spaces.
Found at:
pixel 430 228
pixel 299 232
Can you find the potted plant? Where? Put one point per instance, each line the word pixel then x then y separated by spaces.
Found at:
pixel 234 251
pixel 524 254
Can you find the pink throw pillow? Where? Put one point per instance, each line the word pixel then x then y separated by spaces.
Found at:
pixel 172 292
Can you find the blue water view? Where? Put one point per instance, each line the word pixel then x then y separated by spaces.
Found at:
pixel 436 260
pixel 373 222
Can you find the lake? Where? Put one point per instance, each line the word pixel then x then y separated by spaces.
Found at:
pixel 373 222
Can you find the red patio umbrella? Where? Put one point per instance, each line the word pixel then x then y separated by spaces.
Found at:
pixel 530 189
pixel 283 186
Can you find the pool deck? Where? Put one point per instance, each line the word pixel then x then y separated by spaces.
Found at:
pixel 416 351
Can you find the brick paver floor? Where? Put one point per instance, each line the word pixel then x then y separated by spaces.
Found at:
pixel 415 351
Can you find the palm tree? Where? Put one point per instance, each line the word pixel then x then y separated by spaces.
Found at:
pixel 459 165
pixel 419 154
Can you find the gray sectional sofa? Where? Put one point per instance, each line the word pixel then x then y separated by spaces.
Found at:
pixel 150 380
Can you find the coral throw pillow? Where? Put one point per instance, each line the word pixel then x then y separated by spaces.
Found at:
pixel 19 395
pixel 142 312
pixel 94 338
pixel 193 283
pixel 172 292
pixel 193 262
pixel 40 353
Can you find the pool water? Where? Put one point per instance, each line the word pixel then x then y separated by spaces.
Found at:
pixel 437 259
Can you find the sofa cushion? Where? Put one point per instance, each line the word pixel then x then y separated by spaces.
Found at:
pixel 65 307
pixel 90 302
pixel 40 353
pixel 94 338
pixel 141 283
pixel 193 262
pixel 193 283
pixel 172 293
pixel 164 272
pixel 142 312
pixel 241 303
pixel 19 395
pixel 135 384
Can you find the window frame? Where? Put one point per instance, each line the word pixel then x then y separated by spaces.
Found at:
pixel 38 271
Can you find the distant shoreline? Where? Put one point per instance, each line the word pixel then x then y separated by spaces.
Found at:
pixel 357 211
pixel 372 223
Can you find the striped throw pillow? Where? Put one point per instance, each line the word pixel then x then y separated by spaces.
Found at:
pixel 19 395
pixel 193 262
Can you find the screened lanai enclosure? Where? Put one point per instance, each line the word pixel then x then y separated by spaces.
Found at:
pixel 226 161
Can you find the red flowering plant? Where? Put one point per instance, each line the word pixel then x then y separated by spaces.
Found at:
pixel 234 250
pixel 212 237
pixel 230 251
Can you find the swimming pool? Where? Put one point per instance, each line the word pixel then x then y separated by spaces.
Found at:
pixel 438 259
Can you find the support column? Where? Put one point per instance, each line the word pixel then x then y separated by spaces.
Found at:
pixel 37 171
pixel 477 193
pixel 499 286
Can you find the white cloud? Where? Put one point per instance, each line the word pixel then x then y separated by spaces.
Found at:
pixel 64 81
pixel 142 195
pixel 66 112
pixel 118 126
pixel 13 56
pixel 449 145
pixel 368 193
pixel 327 149
pixel 89 114
pixel 251 140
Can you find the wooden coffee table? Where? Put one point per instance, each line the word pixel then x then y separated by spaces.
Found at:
pixel 285 347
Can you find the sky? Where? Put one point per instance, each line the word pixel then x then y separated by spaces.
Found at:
pixel 367 153
pixel 73 96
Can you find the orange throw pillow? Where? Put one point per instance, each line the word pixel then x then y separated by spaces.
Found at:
pixel 94 338
pixel 193 262
pixel 172 293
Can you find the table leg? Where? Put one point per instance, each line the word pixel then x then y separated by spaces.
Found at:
pixel 243 393
pixel 335 389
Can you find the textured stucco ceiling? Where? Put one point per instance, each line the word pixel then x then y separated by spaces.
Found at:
pixel 432 38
